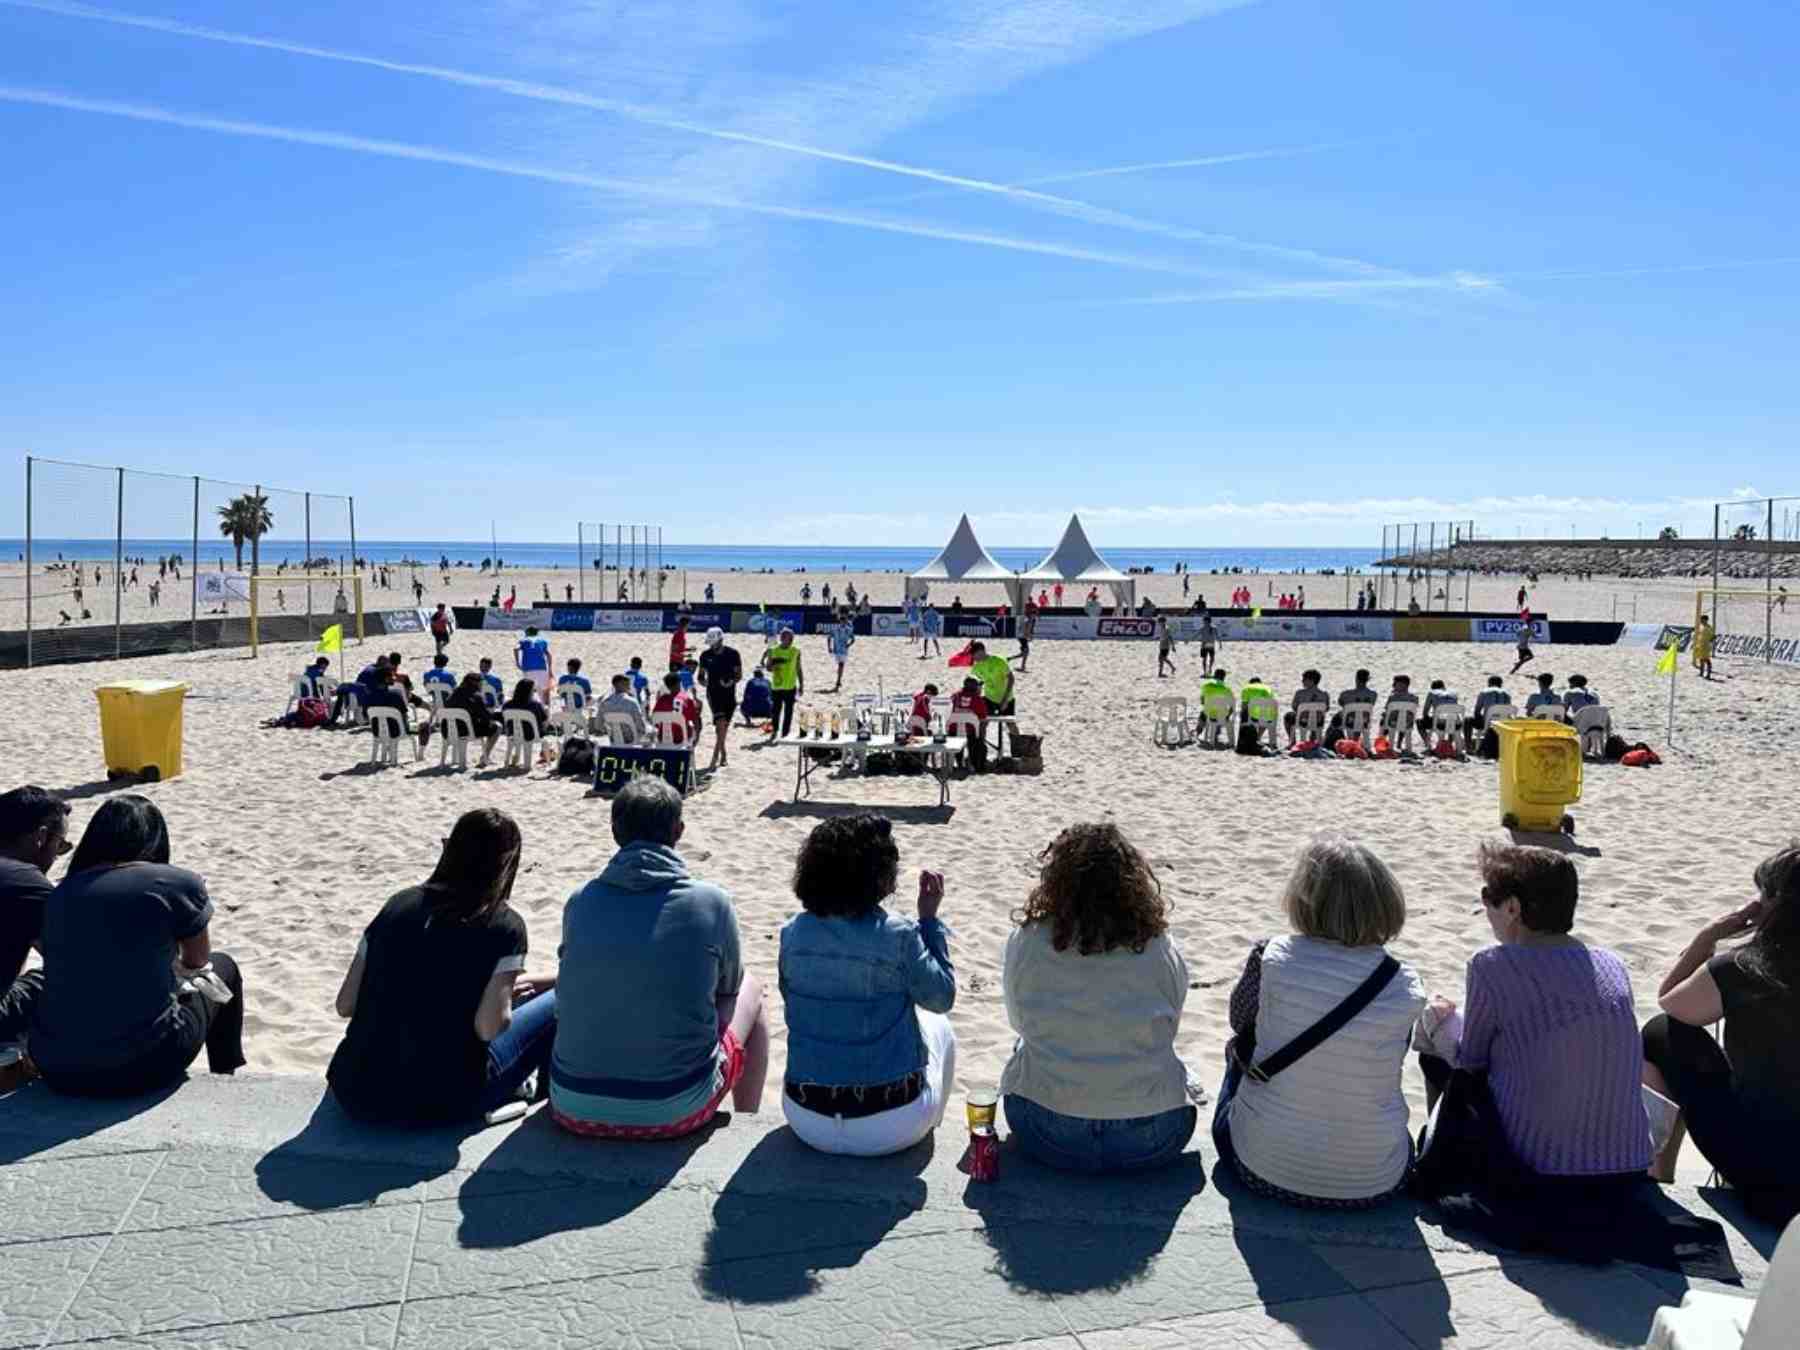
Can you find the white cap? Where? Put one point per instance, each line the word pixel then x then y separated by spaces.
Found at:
pixel 714 636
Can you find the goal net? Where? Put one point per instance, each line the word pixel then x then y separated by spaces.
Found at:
pixel 299 606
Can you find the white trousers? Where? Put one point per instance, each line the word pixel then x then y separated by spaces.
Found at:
pixel 887 1131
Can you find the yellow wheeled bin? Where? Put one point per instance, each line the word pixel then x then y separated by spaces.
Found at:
pixel 1540 774
pixel 140 728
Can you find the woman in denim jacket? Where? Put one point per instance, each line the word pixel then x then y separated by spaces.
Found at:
pixel 871 1055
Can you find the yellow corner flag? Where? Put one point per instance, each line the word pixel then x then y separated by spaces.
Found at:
pixel 1666 666
pixel 332 639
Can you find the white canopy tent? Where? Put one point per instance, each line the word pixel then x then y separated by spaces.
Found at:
pixel 962 560
pixel 1074 562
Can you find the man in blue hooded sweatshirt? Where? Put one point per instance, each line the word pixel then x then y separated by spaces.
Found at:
pixel 656 1019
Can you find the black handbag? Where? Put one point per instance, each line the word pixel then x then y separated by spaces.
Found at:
pixel 1244 1047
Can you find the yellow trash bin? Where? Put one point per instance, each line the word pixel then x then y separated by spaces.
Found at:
pixel 1540 774
pixel 140 728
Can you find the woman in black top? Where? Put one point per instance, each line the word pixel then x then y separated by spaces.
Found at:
pixel 443 1024
pixel 467 697
pixel 132 986
pixel 1742 1103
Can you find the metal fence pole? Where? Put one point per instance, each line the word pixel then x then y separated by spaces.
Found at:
pixel 580 566
pixel 1430 554
pixel 1715 590
pixel 1769 598
pixel 355 562
pixel 118 573
pixel 194 575
pixel 28 562
pixel 306 565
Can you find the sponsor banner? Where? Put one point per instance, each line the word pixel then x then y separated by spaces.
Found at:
pixel 773 621
pixel 1641 635
pixel 1676 636
pixel 469 618
pixel 699 620
pixel 569 620
pixel 517 620
pixel 1413 629
pixel 1370 629
pixel 887 625
pixel 628 620
pixel 1113 627
pixel 969 625
pixel 218 587
pixel 1784 650
pixel 403 620
pixel 1066 626
pixel 1269 628
pixel 1507 630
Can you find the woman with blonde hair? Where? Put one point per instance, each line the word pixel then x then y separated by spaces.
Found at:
pixel 1094 989
pixel 1311 1111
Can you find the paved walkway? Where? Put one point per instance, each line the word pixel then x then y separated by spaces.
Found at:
pixel 249 1213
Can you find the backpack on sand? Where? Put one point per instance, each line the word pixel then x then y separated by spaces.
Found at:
pixel 311 712
pixel 577 758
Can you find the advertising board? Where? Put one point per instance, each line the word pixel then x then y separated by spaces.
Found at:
pixel 517 619
pixel 566 620
pixel 1115 627
pixel 1784 650
pixel 887 625
pixel 699 620
pixel 1353 629
pixel 1067 626
pixel 628 620
pixel 1439 629
pixel 1507 630
pixel 403 620
pixel 1641 635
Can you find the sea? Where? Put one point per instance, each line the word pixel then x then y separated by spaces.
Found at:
pixel 693 557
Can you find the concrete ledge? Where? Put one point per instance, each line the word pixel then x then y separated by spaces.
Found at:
pixel 250 1209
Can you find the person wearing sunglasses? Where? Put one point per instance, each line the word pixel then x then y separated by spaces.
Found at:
pixel 34 833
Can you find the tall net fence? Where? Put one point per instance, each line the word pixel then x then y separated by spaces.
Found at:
pixel 621 562
pixel 1417 564
pixel 1755 565
pixel 119 562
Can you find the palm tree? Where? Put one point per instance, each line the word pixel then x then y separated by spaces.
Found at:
pixel 1669 532
pixel 246 517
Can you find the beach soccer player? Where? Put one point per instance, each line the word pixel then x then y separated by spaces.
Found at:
pixel 931 627
pixel 1165 649
pixel 532 656
pixel 787 681
pixel 1525 652
pixel 720 670
pixel 839 638
pixel 1704 637
pixel 678 643
pixel 442 626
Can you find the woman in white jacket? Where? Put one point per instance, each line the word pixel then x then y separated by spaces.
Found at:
pixel 1329 1129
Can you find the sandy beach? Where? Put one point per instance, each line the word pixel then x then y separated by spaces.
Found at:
pixel 300 847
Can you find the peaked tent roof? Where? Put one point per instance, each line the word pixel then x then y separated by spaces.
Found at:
pixel 963 559
pixel 1074 559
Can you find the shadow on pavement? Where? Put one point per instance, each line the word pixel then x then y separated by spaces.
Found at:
pixel 312 1171
pixel 56 1119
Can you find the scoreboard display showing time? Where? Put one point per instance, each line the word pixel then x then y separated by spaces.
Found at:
pixel 617 765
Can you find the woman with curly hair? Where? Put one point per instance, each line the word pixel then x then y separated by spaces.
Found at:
pixel 871 1055
pixel 1094 990
pixel 1742 1102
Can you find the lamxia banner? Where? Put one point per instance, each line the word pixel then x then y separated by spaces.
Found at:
pixel 1507 630
pixel 628 621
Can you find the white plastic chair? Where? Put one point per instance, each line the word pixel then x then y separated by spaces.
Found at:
pixel 491 697
pixel 522 736
pixel 1709 1321
pixel 303 687
pixel 1397 720
pixel 1357 719
pixel 1548 712
pixel 621 729
pixel 1171 727
pixel 1265 715
pixel 1447 722
pixel 439 694
pixel 1497 712
pixel 962 722
pixel 1593 724
pixel 572 718
pixel 457 730
pixel 1309 721
pixel 386 730
pixel 669 727
pixel 1215 718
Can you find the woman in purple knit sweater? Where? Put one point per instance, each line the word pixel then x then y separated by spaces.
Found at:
pixel 1552 1022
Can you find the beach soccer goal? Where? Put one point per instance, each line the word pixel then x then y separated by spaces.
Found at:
pixel 300 606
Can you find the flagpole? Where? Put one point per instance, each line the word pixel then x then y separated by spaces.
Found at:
pixel 1672 676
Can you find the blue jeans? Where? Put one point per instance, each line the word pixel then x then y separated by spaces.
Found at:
pixel 1221 1126
pixel 520 1051
pixel 1077 1144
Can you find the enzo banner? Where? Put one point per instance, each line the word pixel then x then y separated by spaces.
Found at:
pixel 1506 630
pixel 1431 630
pixel 1125 628
pixel 566 619
pixel 517 619
pixel 628 620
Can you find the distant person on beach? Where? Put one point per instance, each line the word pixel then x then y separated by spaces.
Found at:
pixel 640 682
pixel 1209 642
pixel 1327 1130
pixel 720 670
pixel 678 642
pixel 931 627
pixel 532 657
pixel 1704 639
pixel 1027 630
pixel 1524 642
pixel 442 626
pixel 787 681
pixel 34 833
pixel 132 986
pixel 839 637
pixel 1094 991
pixel 657 1020
pixel 444 1023
pixel 1165 649
pixel 1741 1101
pixel 871 1057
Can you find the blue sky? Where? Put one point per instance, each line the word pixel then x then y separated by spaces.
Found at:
pixel 1267 272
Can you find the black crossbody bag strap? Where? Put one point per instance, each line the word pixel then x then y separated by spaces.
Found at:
pixel 1327 1026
